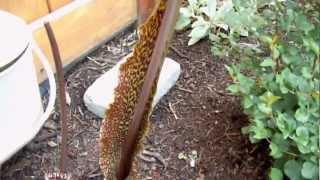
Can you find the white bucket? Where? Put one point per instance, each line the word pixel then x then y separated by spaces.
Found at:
pixel 21 111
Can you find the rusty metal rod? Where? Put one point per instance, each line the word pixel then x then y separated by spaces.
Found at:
pixel 62 96
pixel 158 55
pixel 61 91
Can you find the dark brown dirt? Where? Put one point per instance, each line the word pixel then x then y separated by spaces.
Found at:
pixel 196 117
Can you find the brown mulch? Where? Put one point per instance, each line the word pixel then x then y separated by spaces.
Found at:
pixel 198 120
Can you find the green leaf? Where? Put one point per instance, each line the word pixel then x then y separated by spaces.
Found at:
pixel 182 22
pixel 314 159
pixel 306 72
pixel 266 39
pixel 218 51
pixel 302 115
pixel 280 81
pixel 198 33
pixel 303 99
pixel 290 59
pixel 200 22
pixel 290 53
pixel 290 78
pixel 313 144
pixel 203 2
pixel 286 124
pixel 214 38
pixel 193 41
pixel 287 22
pixel 311 44
pixel 309 170
pixel 233 88
pixel 292 169
pixel 248 102
pixel 303 23
pixel 245 83
pixel 260 130
pixel 230 70
pixel 316 94
pixel 224 9
pixel 268 63
pixel 263 107
pixel 276 174
pixel 193 3
pixel 288 103
pixel 205 10
pixel 184 19
pixel 185 12
pixel 269 98
pixel 212 8
pixel 275 151
pixel 292 49
pixel 282 143
pixel 302 135
pixel 304 86
pixel 275 53
pixel 303 149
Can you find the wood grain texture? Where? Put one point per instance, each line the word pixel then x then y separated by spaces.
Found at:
pixel 85 28
pixel 27 9
pixel 55 4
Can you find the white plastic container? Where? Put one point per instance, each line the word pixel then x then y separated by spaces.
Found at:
pixel 21 111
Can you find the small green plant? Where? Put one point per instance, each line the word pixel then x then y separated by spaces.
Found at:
pixel 223 22
pixel 280 89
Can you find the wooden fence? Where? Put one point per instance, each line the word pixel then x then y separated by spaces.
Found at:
pixel 79 25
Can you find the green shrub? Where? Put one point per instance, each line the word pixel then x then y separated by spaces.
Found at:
pixel 277 74
pixel 281 91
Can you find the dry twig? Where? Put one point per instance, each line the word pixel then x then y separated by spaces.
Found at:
pixel 178 52
pixel 155 155
pixel 173 111
pixel 185 90
pixel 147 159
pixel 47 136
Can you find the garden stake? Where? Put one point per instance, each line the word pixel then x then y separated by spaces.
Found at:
pixel 157 58
pixel 62 99
pixel 62 95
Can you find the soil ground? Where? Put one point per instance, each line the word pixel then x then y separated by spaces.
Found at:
pixel 195 131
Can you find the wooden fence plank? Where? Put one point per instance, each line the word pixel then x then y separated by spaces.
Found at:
pixel 27 9
pixel 85 28
pixel 55 4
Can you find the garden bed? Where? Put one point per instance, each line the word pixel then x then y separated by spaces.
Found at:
pixel 198 116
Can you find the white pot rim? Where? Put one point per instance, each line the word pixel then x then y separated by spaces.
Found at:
pixel 14 38
pixel 7 67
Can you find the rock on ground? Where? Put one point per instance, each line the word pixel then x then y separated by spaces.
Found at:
pixel 100 94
